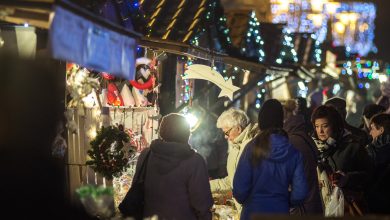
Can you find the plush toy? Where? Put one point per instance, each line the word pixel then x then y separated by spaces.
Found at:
pixel 145 81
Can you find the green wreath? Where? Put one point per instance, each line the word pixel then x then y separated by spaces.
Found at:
pixel 107 152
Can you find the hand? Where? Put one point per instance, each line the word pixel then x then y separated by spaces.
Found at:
pixel 339 179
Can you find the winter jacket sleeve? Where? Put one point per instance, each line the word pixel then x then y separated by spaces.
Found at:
pixel 364 167
pixel 299 187
pixel 199 190
pixel 242 182
pixel 218 185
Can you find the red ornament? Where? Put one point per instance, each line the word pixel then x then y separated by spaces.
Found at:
pixel 107 76
pixel 113 96
pixel 147 85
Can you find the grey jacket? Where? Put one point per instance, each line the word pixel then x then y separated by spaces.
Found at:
pixel 176 184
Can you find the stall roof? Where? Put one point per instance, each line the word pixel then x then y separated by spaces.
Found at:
pixel 172 25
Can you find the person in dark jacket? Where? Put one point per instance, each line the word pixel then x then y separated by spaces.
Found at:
pixel 294 125
pixel 340 105
pixel 343 161
pixel 176 184
pixel 268 167
pixel 368 112
pixel 378 193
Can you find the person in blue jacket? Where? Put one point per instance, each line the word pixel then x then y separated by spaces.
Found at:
pixel 270 177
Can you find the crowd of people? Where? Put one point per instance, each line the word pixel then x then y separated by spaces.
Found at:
pixel 288 162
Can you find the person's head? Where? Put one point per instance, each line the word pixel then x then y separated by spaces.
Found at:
pixel 369 111
pixel 290 108
pixel 339 104
pixel 174 128
pixel 270 122
pixel 271 115
pixel 232 122
pixel 379 124
pixel 327 123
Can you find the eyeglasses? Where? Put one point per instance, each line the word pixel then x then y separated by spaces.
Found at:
pixel 227 133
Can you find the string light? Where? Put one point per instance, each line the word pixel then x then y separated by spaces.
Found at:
pixel 186 86
pixel 352 22
pixel 253 44
pixel 317 49
pixel 287 53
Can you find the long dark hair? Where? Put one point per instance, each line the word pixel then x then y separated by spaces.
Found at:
pixel 262 147
pixel 334 118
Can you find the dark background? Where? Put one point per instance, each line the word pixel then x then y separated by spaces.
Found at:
pixel 382 29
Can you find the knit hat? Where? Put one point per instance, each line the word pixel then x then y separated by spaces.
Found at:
pixel 174 128
pixel 339 104
pixel 271 115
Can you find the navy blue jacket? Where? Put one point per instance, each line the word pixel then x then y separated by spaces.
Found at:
pixel 264 188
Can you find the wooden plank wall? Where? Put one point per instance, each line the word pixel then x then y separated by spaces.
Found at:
pixel 138 119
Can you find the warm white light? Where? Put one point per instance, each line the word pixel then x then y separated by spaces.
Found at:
pixel 191 119
pixel 383 78
pixel 344 18
pixel 301 85
pixel 339 27
pixel 317 5
pixel 332 7
pixel 316 18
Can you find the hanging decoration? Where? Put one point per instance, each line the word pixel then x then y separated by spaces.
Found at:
pixel 114 98
pixel 107 153
pixel 79 84
pixel 185 92
pixel 107 76
pixel 128 99
pixel 197 71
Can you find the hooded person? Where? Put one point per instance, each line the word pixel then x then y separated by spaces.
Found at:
pixel 341 106
pixel 269 166
pixel 176 182
pixel 294 124
pixel 238 131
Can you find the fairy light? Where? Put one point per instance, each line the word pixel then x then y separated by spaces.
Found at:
pixel 287 53
pixel 186 86
pixel 352 22
pixel 253 40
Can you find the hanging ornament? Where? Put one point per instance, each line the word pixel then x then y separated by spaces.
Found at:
pixel 149 84
pixel 113 96
pixel 127 97
pixel 107 76
pixel 197 71
pixel 140 100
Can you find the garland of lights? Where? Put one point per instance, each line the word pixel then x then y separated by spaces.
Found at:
pixel 287 53
pixel 253 41
pixel 186 86
pixel 317 49
pixel 215 16
pixel 107 152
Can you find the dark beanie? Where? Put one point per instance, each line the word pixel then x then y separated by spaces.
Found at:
pixel 339 104
pixel 174 128
pixel 271 115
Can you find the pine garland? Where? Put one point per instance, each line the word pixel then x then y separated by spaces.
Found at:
pixel 107 152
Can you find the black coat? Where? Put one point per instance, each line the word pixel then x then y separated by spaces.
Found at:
pixel 351 158
pixel 295 127
pixel 176 184
pixel 378 192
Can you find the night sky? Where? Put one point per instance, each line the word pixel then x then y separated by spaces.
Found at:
pixel 382 29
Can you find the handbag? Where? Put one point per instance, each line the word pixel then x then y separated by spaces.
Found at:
pixel 133 203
